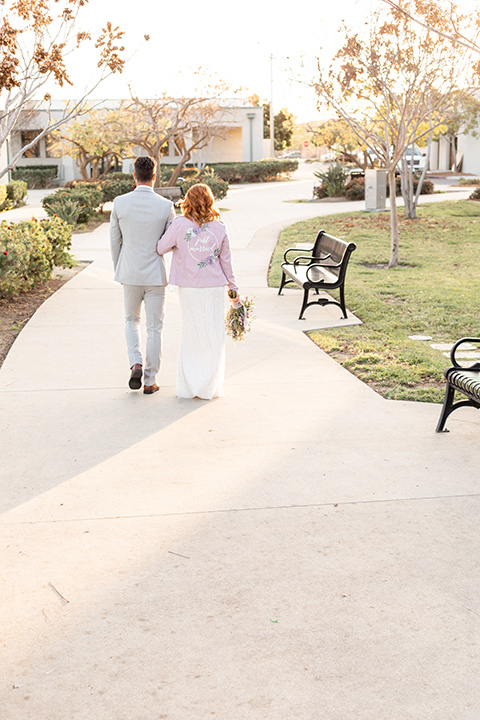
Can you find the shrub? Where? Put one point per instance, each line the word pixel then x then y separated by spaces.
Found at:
pixel 427 185
pixel 320 191
pixel 28 252
pixel 4 201
pixel 87 196
pixel 112 187
pixel 334 179
pixel 355 189
pixel 251 172
pixel 16 191
pixel 59 235
pixel 475 194
pixel 218 186
pixel 117 176
pixel 65 208
pixel 166 173
pixel 37 176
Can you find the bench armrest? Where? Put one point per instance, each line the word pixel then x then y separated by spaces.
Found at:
pixel 455 363
pixel 296 250
pixel 311 260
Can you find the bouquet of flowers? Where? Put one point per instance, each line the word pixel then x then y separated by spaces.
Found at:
pixel 239 317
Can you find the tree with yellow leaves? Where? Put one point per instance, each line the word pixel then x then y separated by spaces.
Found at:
pixel 396 84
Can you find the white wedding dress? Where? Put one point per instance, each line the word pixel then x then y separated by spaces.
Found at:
pixel 201 359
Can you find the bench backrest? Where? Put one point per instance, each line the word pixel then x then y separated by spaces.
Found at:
pixel 337 249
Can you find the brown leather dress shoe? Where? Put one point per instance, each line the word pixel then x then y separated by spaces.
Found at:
pixel 135 382
pixel 150 389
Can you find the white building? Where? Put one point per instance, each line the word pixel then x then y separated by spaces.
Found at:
pixel 240 140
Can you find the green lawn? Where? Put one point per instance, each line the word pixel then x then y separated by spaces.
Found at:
pixel 434 291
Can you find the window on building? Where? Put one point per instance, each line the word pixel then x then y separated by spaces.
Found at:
pixel 27 137
pixel 52 148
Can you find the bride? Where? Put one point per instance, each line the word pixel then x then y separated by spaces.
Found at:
pixel 201 267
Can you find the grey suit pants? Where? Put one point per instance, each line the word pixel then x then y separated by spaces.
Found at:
pixel 153 298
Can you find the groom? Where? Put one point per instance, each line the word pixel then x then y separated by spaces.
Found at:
pixel 137 222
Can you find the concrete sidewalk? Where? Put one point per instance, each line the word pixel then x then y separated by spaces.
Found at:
pixel 300 549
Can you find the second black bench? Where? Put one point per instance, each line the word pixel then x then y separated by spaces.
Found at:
pixel 465 380
pixel 323 267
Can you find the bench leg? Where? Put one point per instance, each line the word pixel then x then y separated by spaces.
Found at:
pixel 447 408
pixel 282 283
pixel 342 302
pixel 304 305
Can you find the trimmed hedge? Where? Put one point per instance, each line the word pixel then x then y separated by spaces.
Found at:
pixel 252 172
pixel 37 176
pixel 29 251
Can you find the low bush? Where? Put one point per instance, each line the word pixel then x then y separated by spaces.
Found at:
pixel 37 176
pixel 218 186
pixel 475 194
pixel 4 198
pixel 29 251
pixel 334 179
pixel 11 195
pixel 112 187
pixel 84 198
pixel 355 189
pixel 59 235
pixel 16 191
pixel 320 191
pixel 251 172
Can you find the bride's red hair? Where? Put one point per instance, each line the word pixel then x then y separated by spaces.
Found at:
pixel 198 204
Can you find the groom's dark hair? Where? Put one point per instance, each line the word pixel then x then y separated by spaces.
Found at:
pixel 144 168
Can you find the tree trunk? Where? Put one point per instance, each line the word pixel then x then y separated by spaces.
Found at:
pixel 424 171
pixel 407 187
pixel 394 246
pixel 177 172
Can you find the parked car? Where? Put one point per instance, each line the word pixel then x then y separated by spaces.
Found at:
pixel 292 154
pixel 417 159
pixel 329 156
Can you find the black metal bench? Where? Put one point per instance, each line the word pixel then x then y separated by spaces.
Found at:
pixel 465 380
pixel 324 268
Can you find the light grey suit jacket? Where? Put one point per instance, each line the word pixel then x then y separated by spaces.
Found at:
pixel 137 223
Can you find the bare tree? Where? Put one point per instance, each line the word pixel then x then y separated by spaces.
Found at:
pixel 395 86
pixel 37 37
pixel 444 19
pixel 189 123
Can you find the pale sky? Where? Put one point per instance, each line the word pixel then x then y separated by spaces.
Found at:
pixel 233 41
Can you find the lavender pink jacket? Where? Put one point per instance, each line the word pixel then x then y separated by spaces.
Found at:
pixel 201 255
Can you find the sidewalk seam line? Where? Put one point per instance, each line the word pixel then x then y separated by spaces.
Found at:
pixel 242 510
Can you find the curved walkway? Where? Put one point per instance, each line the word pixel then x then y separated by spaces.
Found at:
pixel 299 549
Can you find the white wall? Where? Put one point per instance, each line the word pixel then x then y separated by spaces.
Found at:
pixel 471 153
pixel 4 163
